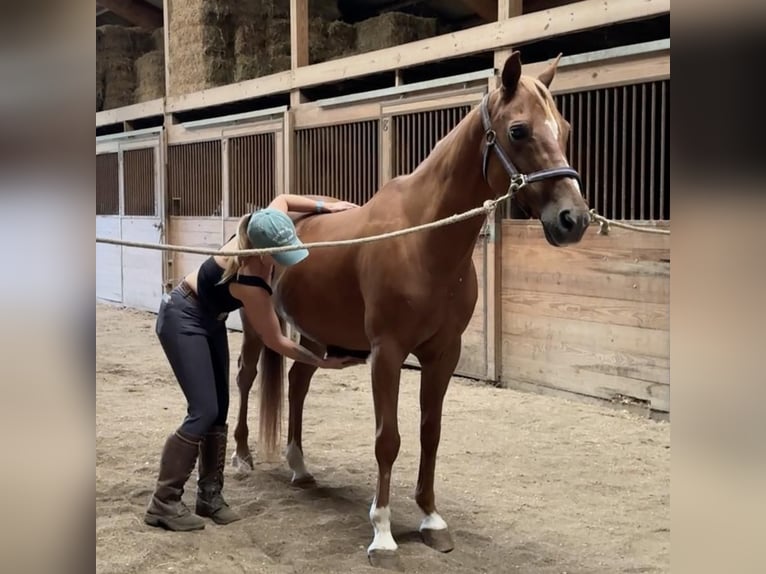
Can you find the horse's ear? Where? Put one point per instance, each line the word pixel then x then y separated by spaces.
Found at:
pixel 511 73
pixel 546 76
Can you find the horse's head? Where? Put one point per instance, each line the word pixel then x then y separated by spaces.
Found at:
pixel 528 137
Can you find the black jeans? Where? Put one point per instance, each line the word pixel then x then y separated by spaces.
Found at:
pixel 196 343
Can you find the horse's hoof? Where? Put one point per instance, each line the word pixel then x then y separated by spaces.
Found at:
pixel 440 540
pixel 242 465
pixel 303 480
pixel 386 559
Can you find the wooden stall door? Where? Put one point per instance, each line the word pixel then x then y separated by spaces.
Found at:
pixel 142 277
pixel 108 257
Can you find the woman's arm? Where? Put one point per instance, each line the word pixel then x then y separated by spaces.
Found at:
pixel 262 316
pixel 288 202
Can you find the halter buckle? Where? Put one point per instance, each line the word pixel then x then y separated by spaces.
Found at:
pixel 518 181
pixel 490 136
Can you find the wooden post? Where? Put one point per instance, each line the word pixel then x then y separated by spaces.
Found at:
pixel 386 149
pixel 506 9
pixel 494 289
pixel 288 138
pixel 166 42
pixel 299 42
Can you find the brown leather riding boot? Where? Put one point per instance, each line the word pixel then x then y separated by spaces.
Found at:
pixel 166 507
pixel 212 459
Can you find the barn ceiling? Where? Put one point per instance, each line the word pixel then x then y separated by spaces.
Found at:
pixel 145 12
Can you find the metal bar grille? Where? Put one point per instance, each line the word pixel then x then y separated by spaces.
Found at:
pixel 415 135
pixel 138 173
pixel 339 161
pixel 107 184
pixel 195 181
pixel 619 145
pixel 252 173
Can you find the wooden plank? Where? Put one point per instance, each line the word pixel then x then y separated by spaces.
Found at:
pixel 588 309
pixel 131 112
pixel 494 302
pixel 299 33
pixel 625 265
pixel 386 150
pixel 604 337
pixel 608 73
pixel 585 15
pixel 580 356
pixel 439 101
pixel 594 384
pixel 311 116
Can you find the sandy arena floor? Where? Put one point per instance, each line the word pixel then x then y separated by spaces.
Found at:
pixel 527 483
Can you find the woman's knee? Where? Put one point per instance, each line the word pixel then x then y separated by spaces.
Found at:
pixel 198 422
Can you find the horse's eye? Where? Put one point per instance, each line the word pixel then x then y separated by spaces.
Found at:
pixel 518 132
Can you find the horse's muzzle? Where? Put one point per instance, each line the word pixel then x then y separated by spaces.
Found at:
pixel 567 226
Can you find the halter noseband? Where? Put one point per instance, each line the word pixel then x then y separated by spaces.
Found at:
pixel 518 180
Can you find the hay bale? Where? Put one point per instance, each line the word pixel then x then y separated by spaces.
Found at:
pixel 119 83
pixel 280 64
pixel 117 48
pixel 392 29
pixel 249 49
pixel 150 76
pixel 341 37
pixel 328 40
pixel 201 38
pixel 325 9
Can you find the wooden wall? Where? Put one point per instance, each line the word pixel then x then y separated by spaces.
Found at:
pixel 590 320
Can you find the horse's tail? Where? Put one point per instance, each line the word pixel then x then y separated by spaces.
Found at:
pixel 270 412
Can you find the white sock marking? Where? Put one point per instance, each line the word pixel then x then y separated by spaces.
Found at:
pixel 433 522
pixel 381 524
pixel 294 458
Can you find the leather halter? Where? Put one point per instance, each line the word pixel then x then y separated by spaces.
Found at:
pixel 518 180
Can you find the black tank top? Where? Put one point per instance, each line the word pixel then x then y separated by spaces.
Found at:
pixel 217 297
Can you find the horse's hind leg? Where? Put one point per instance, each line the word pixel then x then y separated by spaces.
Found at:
pixel 299 378
pixel 247 370
pixel 438 364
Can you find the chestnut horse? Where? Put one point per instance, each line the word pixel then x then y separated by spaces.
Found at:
pixel 414 293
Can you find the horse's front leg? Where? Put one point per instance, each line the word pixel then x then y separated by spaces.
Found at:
pixel 299 378
pixel 247 370
pixel 438 364
pixel 387 360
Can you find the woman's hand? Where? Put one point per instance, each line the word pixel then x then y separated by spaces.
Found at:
pixel 339 206
pixel 340 362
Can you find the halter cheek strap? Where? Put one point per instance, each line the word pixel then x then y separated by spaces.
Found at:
pixel 518 180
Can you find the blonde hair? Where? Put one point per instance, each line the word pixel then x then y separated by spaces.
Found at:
pixel 235 262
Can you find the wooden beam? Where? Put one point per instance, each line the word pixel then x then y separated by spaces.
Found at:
pixel 606 74
pixel 585 15
pixel 132 112
pixel 299 33
pixel 136 11
pixel 486 9
pixel 166 15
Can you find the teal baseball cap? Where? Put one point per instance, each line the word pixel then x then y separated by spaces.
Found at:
pixel 271 227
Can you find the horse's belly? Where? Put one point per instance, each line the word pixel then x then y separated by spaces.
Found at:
pixel 322 308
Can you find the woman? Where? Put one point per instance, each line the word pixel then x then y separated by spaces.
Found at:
pixel 192 331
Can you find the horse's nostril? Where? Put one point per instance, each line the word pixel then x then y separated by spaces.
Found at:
pixel 567 220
